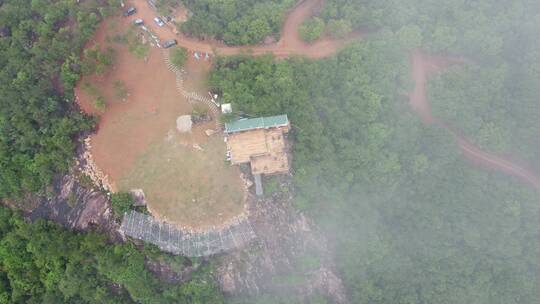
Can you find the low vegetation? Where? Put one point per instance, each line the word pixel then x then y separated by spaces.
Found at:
pixel 120 90
pixel 134 42
pixel 100 102
pixel 121 203
pixel 179 56
pixel 97 60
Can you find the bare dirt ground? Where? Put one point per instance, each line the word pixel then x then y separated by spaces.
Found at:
pixel 421 66
pixel 137 145
pixel 126 128
pixel 289 44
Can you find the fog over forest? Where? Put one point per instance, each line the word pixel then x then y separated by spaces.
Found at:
pixel 415 150
pixel 412 217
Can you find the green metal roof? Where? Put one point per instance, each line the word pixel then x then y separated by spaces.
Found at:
pixel 256 123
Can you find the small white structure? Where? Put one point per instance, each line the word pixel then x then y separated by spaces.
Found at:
pixel 226 108
pixel 184 123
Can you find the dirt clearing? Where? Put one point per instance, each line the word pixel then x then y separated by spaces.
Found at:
pixel 184 177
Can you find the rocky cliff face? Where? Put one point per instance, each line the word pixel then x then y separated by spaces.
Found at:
pixel 74 206
pixel 289 257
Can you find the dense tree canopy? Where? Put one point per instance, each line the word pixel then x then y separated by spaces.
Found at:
pixel 236 22
pixel 411 221
pixel 39 47
pixel 43 263
pixel 492 97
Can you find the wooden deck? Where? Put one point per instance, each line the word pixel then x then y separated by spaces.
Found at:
pixel 244 145
pixel 265 149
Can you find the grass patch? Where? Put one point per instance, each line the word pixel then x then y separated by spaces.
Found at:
pixel 187 186
pixel 139 50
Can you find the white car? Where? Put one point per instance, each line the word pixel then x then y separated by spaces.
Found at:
pixel 159 22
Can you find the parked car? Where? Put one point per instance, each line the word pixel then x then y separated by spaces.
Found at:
pixel 130 11
pixel 168 43
pixel 159 22
pixel 138 22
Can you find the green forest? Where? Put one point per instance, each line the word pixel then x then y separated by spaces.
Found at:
pixel 409 219
pixel 40 262
pixel 53 265
pixel 492 97
pixel 236 22
pixel 39 48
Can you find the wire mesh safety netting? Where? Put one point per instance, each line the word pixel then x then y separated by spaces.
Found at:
pixel 187 243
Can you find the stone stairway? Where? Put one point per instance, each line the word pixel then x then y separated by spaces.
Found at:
pixel 192 97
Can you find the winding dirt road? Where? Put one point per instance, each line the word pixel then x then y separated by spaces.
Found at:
pixel 421 66
pixel 289 44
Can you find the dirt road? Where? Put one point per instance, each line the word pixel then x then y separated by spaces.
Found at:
pixel 289 44
pixel 421 66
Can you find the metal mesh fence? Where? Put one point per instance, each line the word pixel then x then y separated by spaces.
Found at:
pixel 187 243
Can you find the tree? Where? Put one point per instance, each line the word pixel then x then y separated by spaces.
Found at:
pixel 100 104
pixel 339 28
pixel 410 36
pixel 312 29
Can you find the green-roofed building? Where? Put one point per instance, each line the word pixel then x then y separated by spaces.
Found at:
pixel 257 123
pixel 262 143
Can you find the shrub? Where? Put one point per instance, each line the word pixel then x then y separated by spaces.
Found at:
pixel 121 203
pixel 100 103
pixel 179 56
pixel 312 29
pixel 199 111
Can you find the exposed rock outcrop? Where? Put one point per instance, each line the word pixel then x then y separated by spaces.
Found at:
pixel 289 257
pixel 74 206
